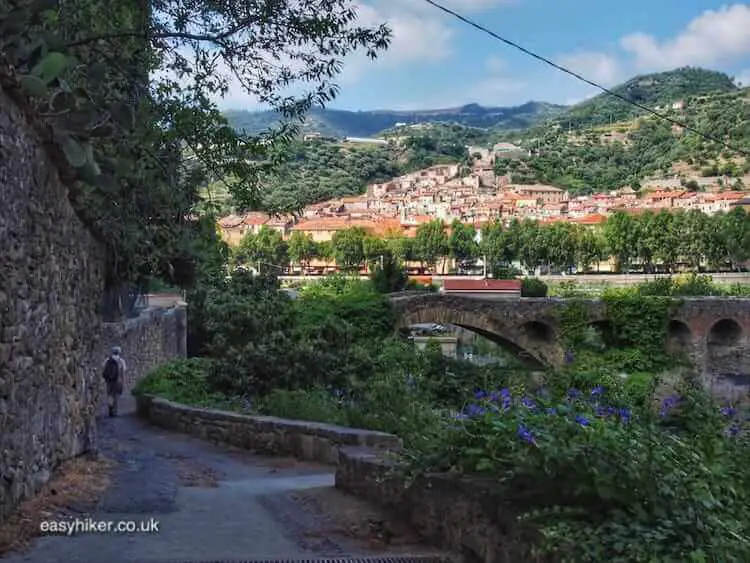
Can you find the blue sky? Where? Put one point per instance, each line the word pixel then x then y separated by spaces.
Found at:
pixel 436 61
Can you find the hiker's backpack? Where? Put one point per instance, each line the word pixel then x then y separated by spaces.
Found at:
pixel 111 370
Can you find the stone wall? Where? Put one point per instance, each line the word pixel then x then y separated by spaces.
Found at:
pixel 309 441
pixel 52 339
pixel 464 516
pixel 461 515
pixel 51 281
pixel 157 336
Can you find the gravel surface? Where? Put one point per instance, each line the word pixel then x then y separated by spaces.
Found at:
pixel 212 504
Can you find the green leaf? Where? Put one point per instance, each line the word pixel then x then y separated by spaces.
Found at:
pixel 33 86
pixel 75 153
pixel 51 67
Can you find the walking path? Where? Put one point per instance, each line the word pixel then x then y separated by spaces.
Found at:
pixel 244 507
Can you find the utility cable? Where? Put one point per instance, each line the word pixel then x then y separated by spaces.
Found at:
pixel 586 80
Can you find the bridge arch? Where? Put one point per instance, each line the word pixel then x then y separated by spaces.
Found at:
pixel 535 339
pixel 679 336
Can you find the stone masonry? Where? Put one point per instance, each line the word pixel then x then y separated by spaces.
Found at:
pixel 713 331
pixel 309 441
pixel 51 281
pixel 52 339
pixel 463 515
pixel 156 336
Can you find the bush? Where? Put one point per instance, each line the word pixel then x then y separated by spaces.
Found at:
pixel 593 478
pixel 414 285
pixel 533 287
pixel 315 405
pixel 691 285
pixel 185 381
pixel 389 277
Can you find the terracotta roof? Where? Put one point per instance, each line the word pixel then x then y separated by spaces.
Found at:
pixel 593 219
pixel 230 221
pixel 482 285
pixel 255 218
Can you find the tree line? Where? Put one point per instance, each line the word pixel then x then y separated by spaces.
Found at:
pixel 649 242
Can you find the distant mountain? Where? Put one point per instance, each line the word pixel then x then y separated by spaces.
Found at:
pixel 650 90
pixel 342 123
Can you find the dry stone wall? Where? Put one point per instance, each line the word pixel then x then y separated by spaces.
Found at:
pixel 309 441
pixel 157 336
pixel 51 280
pixel 52 338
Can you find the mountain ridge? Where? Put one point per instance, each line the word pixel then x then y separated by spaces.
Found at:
pixel 646 89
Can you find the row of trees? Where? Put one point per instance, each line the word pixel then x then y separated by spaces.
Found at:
pixel 649 240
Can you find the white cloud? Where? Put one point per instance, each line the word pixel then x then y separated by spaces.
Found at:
pixel 494 64
pixel 714 37
pixel 597 67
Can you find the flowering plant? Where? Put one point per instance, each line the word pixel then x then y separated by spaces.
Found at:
pixel 596 479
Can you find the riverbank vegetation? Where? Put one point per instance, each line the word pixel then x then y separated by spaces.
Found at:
pixel 618 454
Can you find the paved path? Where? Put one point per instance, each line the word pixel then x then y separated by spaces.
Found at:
pixel 248 513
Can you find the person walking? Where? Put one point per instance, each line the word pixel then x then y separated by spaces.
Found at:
pixel 114 375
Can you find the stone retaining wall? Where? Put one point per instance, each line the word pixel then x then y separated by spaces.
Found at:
pixel 51 280
pixel 461 515
pixel 309 441
pixel 464 516
pixel 155 337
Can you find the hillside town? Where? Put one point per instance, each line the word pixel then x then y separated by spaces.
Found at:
pixel 477 196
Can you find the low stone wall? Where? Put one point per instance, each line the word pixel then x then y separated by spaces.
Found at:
pixel 155 337
pixel 309 441
pixel 464 516
pixel 461 515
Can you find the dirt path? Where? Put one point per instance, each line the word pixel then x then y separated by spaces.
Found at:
pixel 215 504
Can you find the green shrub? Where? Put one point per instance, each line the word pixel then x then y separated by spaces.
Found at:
pixel 388 277
pixel 315 405
pixel 184 381
pixel 690 285
pixel 533 287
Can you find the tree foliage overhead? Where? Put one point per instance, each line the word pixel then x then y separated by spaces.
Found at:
pixel 124 87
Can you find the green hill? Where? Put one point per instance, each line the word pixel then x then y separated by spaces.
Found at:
pixel 592 156
pixel 342 123
pixel 650 90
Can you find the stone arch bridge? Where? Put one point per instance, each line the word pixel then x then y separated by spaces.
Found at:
pixel 714 331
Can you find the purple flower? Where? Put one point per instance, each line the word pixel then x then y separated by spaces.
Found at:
pixel 597 391
pixel 733 430
pixel 569 356
pixel 473 410
pixel 625 415
pixel 668 404
pixel 574 393
pixel 528 403
pixel 582 420
pixel 525 434
pixel 479 394
pixel 728 411
pixel 551 411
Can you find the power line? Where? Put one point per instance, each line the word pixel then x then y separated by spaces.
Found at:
pixel 583 79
